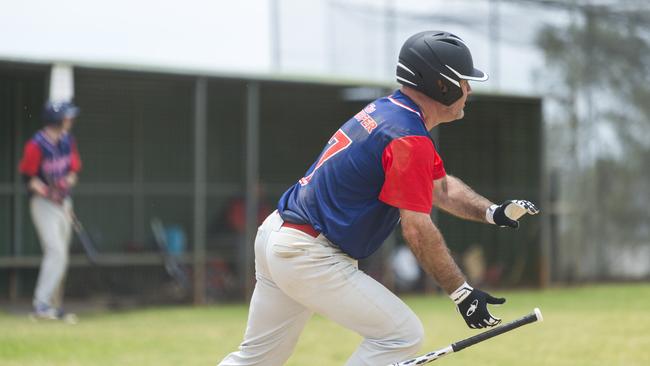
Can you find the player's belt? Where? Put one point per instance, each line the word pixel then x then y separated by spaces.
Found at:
pixel 305 228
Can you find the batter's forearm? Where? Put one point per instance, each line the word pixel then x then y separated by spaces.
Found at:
pixel 428 246
pixel 37 186
pixel 439 264
pixel 460 200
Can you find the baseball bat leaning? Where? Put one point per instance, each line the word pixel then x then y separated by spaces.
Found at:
pixel 536 315
pixel 173 265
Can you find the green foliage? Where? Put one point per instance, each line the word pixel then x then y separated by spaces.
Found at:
pixel 606 54
pixel 600 138
pixel 595 325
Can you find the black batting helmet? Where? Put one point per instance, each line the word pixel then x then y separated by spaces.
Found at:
pixel 55 112
pixel 427 57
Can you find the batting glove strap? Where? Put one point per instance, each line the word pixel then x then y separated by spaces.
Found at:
pixel 461 293
pixel 489 213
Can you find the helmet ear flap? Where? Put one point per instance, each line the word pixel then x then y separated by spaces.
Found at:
pixel 449 93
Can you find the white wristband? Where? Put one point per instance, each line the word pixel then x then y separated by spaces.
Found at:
pixel 489 213
pixel 461 293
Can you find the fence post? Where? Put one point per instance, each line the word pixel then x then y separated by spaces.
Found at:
pixel 199 230
pixel 252 181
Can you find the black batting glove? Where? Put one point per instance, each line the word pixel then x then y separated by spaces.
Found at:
pixel 508 213
pixel 472 305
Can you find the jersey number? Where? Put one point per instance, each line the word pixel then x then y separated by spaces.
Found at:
pixel 339 142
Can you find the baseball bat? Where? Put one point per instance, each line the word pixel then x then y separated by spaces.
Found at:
pixel 536 315
pixel 84 238
pixel 77 226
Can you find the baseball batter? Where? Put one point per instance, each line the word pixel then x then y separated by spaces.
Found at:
pixel 379 169
pixel 49 166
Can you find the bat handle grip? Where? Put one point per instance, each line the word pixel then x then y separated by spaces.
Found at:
pixel 530 318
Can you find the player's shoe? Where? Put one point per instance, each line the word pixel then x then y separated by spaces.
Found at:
pixel 44 312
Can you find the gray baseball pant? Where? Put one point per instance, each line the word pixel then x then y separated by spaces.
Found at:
pixel 298 275
pixel 53 227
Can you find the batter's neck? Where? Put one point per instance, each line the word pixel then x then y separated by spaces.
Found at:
pixel 53 133
pixel 427 108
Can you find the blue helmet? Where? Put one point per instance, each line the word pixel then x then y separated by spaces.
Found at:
pixel 55 112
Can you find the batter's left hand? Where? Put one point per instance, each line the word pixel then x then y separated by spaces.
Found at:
pixel 472 305
pixel 509 212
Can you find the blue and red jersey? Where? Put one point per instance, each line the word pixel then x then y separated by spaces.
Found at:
pixel 379 161
pixel 50 161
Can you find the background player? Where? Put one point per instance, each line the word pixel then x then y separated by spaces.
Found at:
pixel 49 166
pixel 379 167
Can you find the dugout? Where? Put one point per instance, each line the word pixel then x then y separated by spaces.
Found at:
pixel 188 150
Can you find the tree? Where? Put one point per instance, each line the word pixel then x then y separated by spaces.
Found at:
pixel 602 63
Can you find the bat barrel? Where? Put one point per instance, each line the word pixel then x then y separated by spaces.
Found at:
pixel 530 318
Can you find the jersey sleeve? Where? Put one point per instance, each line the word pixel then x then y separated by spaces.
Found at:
pixel 75 159
pixel 411 164
pixel 31 161
pixel 438 166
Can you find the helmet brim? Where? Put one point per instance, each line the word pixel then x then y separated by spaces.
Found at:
pixel 477 75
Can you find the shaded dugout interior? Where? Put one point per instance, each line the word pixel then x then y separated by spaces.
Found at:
pixel 187 150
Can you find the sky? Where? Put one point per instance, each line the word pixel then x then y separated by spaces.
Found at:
pixel 314 38
pixel 191 34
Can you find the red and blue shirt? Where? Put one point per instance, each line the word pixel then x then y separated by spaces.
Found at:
pixel 50 161
pixel 379 161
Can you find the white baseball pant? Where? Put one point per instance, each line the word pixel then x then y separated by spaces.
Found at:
pixel 53 227
pixel 298 275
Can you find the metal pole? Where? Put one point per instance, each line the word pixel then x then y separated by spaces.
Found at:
pixel 17 242
pixel 138 173
pixel 252 180
pixel 330 34
pixel 599 269
pixel 493 30
pixel 276 61
pixel 546 202
pixel 389 36
pixel 200 151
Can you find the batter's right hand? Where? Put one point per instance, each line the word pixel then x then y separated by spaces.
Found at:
pixel 472 305
pixel 508 213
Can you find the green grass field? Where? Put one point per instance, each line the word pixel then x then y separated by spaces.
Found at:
pixel 595 325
